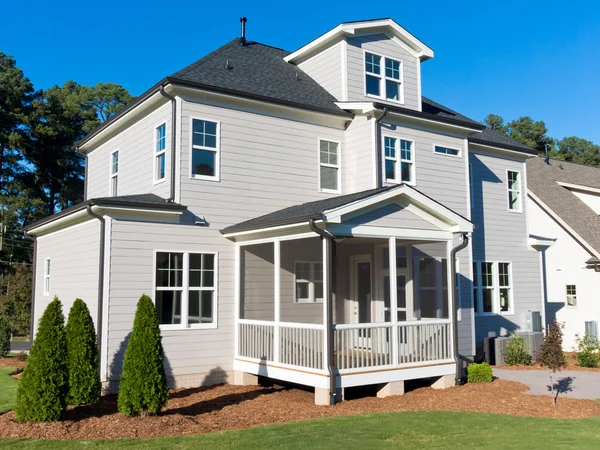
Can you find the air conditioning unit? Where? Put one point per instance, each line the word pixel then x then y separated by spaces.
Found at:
pixel 534 321
pixel 591 328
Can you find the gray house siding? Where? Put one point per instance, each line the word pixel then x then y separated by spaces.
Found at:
pixel 326 69
pixel 358 156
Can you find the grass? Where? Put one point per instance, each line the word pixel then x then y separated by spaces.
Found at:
pixel 424 430
pixel 8 389
pixel 20 338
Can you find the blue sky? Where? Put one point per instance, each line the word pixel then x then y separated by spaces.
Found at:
pixel 513 58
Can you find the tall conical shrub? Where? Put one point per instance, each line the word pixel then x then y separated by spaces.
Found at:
pixel 43 388
pixel 82 351
pixel 5 334
pixel 143 387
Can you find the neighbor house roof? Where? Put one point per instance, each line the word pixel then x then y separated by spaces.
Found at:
pixel 543 181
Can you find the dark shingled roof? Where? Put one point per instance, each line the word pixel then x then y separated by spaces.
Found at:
pixel 494 138
pixel 431 107
pixel 542 181
pixel 149 201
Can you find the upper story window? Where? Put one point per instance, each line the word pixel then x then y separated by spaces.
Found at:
pixel 47 277
pixel 308 281
pixel 329 166
pixel 160 152
pixel 383 77
pixel 205 150
pixel 446 151
pixel 571 299
pixel 492 287
pixel 398 160
pixel 114 173
pixel 514 191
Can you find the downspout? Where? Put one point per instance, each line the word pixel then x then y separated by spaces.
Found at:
pixel 379 181
pixel 329 325
pixel 85 177
pixel 100 281
pixel 453 252
pixel 173 139
pixel 33 275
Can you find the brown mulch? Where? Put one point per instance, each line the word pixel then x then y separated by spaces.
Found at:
pixel 201 410
pixel 571 365
pixel 11 361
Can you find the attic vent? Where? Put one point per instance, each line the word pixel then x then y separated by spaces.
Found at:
pixel 227 65
pixel 297 77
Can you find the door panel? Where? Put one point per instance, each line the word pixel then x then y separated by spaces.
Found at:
pixel 363 291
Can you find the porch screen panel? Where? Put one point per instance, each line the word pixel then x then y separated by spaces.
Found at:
pixel 257 293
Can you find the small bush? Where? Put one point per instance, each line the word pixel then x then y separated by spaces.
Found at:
pixel 84 380
pixel 479 373
pixel 22 356
pixel 586 351
pixel 516 352
pixel 551 353
pixel 5 334
pixel 43 387
pixel 143 387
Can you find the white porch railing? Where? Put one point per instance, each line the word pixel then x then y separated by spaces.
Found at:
pixel 362 345
pixel 424 341
pixel 256 340
pixel 301 345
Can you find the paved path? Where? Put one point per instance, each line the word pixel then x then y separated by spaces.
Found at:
pixel 20 346
pixel 569 383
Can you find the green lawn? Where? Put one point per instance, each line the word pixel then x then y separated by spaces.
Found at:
pixel 421 430
pixel 8 389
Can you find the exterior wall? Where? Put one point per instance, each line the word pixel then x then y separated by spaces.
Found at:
pixel 326 69
pixel 565 264
pixel 384 46
pixel 592 200
pixel 502 236
pixel 358 156
pixel 73 254
pixel 392 215
pixel 137 149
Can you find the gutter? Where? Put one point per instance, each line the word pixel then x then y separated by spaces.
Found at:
pixel 173 138
pixel 100 282
pixel 378 149
pixel 457 359
pixel 329 319
pixel 33 277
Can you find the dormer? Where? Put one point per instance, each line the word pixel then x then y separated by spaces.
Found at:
pixel 372 60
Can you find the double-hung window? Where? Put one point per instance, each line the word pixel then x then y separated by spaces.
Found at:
pixel 571 299
pixel 47 277
pixel 514 191
pixel 160 153
pixel 492 287
pixel 383 77
pixel 185 293
pixel 504 286
pixel 329 166
pixel 398 160
pixel 308 281
pixel 205 150
pixel 114 173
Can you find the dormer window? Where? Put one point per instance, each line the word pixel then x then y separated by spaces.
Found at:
pixel 383 82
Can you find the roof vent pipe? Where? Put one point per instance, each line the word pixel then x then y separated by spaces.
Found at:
pixel 546 154
pixel 243 21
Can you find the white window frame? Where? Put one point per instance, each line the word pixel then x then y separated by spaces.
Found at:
pixel 47 268
pixel 398 160
pixel 311 284
pixel 158 154
pixel 518 191
pixel 509 287
pixel 216 150
pixel 113 175
pixel 338 166
pixel 383 77
pixel 445 147
pixel 570 296
pixel 478 297
pixel 185 290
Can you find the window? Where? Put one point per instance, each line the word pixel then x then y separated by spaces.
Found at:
pixel 387 83
pixel 308 281
pixel 47 277
pixel 398 160
pixel 446 151
pixel 492 287
pixel 571 295
pixel 160 153
pixel 514 191
pixel 504 286
pixel 205 150
pixel 114 173
pixel 329 166
pixel 185 294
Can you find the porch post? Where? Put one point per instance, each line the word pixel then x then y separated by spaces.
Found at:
pixel 394 299
pixel 451 291
pixel 277 297
pixel 237 290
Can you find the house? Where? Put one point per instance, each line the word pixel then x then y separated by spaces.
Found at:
pixel 564 208
pixel 307 216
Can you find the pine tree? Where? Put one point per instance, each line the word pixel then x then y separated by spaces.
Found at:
pixel 143 387
pixel 43 388
pixel 82 350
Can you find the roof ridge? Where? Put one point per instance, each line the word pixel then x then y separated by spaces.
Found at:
pixel 205 58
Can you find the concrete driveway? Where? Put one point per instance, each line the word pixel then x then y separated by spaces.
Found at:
pixel 568 383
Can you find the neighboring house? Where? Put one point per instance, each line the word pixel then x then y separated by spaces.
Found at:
pixel 564 206
pixel 293 215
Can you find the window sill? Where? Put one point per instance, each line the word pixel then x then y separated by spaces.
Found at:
pixel 330 191
pixel 514 211
pixel 162 180
pixel 204 178
pixel 378 97
pixel 459 156
pixel 207 326
pixel 410 183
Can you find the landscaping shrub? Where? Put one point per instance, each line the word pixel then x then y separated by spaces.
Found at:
pixel 516 352
pixel 586 351
pixel 82 351
pixel 21 356
pixel 479 373
pixel 551 353
pixel 43 387
pixel 143 387
pixel 5 334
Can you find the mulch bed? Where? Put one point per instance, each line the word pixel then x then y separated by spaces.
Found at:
pixel 224 407
pixel 571 365
pixel 12 361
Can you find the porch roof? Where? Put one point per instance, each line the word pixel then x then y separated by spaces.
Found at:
pixel 329 209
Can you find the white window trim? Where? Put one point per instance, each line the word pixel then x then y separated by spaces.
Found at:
pixel 217 150
pixel 496 290
pixel 519 191
pixel 382 77
pixel 338 166
pixel 510 288
pixel 567 297
pixel 47 266
pixel 458 155
pixel 311 284
pixel 185 289
pixel 398 160
pixel 112 175
pixel 156 154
